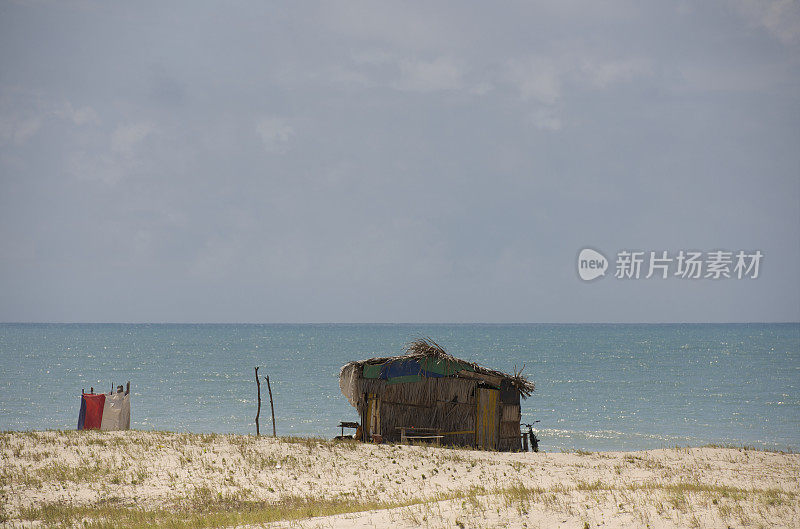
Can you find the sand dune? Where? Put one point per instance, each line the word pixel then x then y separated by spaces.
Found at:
pixel 138 479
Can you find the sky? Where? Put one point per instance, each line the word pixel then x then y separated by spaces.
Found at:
pixel 395 162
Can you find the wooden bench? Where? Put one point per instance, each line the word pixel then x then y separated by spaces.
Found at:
pixel 419 434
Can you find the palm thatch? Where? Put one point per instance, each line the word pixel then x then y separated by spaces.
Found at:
pixel 425 347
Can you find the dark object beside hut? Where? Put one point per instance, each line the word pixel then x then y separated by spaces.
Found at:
pixel 431 392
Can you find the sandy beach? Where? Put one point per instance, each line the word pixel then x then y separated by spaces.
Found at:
pixel 159 479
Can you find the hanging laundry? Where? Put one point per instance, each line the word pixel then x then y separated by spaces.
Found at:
pixel 91 414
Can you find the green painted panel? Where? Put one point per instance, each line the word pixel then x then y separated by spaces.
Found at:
pixel 439 366
pixel 372 371
pixel 434 365
pixel 405 378
pixel 466 367
pixel 444 367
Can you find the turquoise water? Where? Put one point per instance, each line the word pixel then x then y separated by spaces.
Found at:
pixel 599 387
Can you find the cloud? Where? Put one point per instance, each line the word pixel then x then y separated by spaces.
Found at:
pixel 542 81
pixel 546 119
pixel 19 130
pixel 23 114
pixel 110 166
pixel 543 78
pixel 356 135
pixel 126 138
pixel 601 74
pixel 781 18
pixel 275 134
pixel 537 78
pixel 78 116
pixel 375 68
pixel 430 76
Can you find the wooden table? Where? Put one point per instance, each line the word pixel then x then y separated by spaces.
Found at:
pixel 345 424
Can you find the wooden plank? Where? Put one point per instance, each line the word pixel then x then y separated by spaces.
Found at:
pixel 458 433
pixel 373 415
pixel 491 379
pixel 487 423
pixel 511 412
pixel 438 402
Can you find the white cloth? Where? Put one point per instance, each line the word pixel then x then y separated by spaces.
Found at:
pixel 348 383
pixel 116 412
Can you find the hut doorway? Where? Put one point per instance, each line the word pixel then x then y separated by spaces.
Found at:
pixel 487 421
pixel 373 418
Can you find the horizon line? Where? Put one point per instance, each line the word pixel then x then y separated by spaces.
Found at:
pixel 394 323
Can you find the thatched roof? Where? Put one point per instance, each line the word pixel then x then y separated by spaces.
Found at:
pixel 425 348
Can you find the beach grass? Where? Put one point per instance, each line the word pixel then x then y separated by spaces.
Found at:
pixel 61 479
pixel 203 512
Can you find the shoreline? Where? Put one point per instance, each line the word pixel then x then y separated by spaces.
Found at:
pixel 137 478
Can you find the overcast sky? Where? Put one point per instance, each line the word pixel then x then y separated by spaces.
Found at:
pixel 404 162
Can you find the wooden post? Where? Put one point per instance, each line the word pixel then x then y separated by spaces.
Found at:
pixel 272 407
pixel 364 420
pixel 258 412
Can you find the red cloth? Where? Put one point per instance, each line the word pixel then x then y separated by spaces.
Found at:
pixel 94 410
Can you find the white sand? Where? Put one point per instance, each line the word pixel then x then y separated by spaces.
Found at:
pixel 697 487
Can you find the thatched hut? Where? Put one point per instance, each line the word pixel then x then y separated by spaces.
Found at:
pixel 427 393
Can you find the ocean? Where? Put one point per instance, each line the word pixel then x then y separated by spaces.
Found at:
pixel 598 386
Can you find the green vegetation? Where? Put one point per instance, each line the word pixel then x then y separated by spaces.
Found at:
pixel 201 511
